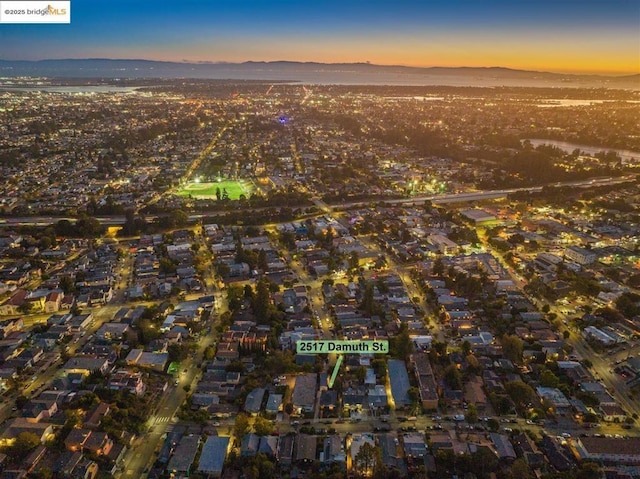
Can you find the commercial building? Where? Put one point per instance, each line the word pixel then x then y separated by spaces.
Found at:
pixel 580 255
pixel 426 380
pixel 478 216
pixel 610 450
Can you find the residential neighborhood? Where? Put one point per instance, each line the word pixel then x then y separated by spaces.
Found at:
pixel 163 254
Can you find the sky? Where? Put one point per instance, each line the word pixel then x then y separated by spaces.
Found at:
pixel 568 36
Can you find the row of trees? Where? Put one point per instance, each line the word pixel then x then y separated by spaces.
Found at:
pixel 136 223
pixel 84 227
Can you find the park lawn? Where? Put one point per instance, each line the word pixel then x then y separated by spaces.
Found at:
pixel 208 190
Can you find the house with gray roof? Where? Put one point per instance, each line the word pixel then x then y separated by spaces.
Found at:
pixel 214 453
pixel 250 445
pixel 184 455
pixel 502 445
pixel 274 403
pixel 399 378
pixel 253 402
pixel 304 392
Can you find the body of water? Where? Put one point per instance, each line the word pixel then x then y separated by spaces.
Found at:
pixel 626 155
pixel 565 102
pixel 71 89
pixel 319 74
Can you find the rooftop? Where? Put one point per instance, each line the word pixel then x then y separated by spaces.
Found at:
pixel 214 453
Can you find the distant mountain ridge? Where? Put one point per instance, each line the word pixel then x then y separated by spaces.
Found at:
pixel 437 70
pixel 277 70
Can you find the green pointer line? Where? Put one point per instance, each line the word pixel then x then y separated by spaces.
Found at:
pixel 336 368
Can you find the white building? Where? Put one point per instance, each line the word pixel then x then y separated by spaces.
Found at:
pixel 580 255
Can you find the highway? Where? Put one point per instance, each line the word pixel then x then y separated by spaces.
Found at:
pixel 436 199
pixel 473 195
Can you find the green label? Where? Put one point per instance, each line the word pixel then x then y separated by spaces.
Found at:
pixel 324 346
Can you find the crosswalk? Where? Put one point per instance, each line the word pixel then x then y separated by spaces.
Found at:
pixel 162 420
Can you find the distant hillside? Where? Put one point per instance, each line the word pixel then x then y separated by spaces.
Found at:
pixel 308 72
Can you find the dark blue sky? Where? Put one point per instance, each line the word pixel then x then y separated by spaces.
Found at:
pixel 560 35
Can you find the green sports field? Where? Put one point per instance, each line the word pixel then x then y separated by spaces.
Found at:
pixel 208 190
